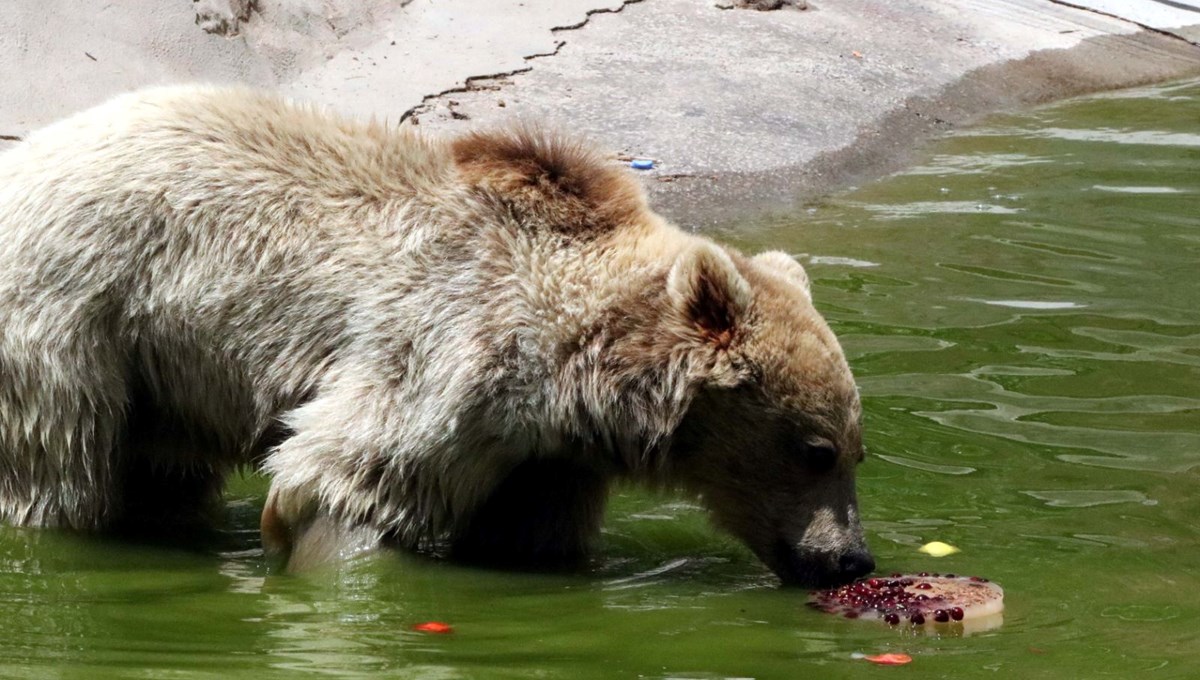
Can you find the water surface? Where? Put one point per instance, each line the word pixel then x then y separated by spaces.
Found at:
pixel 1022 311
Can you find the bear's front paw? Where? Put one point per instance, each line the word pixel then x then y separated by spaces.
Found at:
pixel 295 529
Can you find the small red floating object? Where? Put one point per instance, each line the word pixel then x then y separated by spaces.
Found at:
pixel 435 627
pixel 889 659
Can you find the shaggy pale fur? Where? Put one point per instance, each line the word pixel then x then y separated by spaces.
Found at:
pixel 437 343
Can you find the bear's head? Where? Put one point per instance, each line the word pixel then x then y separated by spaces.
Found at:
pixel 773 435
pixel 723 363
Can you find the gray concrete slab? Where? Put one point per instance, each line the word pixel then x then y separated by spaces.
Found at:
pixel 1164 14
pixel 379 57
pixel 742 109
pixel 704 90
pixel 429 47
pixel 1176 17
pixel 745 109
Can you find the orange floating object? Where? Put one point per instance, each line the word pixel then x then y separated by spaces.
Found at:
pixel 435 627
pixel 889 659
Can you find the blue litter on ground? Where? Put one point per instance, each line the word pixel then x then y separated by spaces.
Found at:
pixel 642 165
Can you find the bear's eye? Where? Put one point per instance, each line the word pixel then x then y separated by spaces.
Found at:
pixel 820 454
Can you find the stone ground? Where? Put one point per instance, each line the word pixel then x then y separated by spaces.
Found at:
pixel 742 110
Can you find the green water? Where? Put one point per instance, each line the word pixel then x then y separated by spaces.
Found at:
pixel 1023 313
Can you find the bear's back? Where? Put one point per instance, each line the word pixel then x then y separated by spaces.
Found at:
pixel 226 145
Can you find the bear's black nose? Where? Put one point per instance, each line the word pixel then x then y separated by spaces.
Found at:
pixel 855 564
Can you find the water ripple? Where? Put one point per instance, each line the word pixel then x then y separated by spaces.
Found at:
pixel 900 211
pixel 1033 304
pixel 926 466
pixel 1087 498
pixel 1137 190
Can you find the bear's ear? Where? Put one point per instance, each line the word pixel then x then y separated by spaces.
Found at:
pixel 786 266
pixel 548 180
pixel 709 293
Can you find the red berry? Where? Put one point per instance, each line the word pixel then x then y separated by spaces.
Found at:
pixel 941 615
pixel 917 619
pixel 956 613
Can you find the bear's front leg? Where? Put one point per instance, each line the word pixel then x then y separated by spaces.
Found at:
pixel 370 463
pixel 545 512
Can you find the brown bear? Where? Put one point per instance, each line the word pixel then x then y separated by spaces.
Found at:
pixel 451 345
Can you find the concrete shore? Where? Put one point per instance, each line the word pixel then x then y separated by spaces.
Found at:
pixel 742 110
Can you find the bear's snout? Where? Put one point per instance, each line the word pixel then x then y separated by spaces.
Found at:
pixel 805 569
pixel 856 564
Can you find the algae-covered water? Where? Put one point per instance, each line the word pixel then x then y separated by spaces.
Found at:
pixel 1023 313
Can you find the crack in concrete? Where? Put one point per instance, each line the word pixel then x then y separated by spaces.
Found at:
pixel 551 53
pixel 763 5
pixel 588 16
pixel 471 83
pixel 1118 17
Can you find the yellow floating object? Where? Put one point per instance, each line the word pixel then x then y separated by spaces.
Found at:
pixel 938 549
